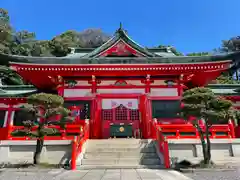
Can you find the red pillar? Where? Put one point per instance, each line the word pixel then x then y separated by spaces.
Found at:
pixel 60 85
pixel 97 127
pixel 147 83
pixel 9 121
pixel 60 90
pixel 145 124
pixel 94 84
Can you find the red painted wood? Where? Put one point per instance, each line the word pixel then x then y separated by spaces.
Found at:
pixel 121 48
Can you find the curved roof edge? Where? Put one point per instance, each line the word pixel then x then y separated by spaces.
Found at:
pixel 116 60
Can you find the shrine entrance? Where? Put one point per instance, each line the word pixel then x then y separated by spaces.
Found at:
pixel 120 116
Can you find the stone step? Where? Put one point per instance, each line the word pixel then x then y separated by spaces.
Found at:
pixel 110 150
pixel 104 155
pixel 116 146
pixel 124 166
pixel 119 141
pixel 135 161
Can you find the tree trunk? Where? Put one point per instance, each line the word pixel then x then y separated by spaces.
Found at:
pixel 204 146
pixel 37 154
pixel 208 144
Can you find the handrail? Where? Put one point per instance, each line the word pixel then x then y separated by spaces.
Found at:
pixel 78 142
pixel 162 143
pixel 216 131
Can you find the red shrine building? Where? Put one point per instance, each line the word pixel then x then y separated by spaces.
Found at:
pixel 120 86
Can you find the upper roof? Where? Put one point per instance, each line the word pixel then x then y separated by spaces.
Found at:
pixel 120 49
pixel 120 45
pixel 117 60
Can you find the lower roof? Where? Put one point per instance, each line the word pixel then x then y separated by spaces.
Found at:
pixel 26 90
pixel 117 60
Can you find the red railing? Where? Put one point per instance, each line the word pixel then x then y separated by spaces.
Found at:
pixel 77 144
pixel 162 132
pixel 186 131
pixel 161 142
pixel 67 133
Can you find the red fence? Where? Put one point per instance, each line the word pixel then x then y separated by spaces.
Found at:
pixel 162 132
pixel 181 131
pixel 69 132
pixel 77 144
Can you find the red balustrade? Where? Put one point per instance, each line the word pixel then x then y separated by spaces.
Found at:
pixel 162 132
pixel 162 143
pixel 77 144
pixel 186 131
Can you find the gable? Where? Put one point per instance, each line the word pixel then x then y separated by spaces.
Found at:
pixel 121 48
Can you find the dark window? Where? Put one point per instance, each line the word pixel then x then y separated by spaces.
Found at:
pixel 85 106
pixel 20 116
pixel 2 117
pixel 166 108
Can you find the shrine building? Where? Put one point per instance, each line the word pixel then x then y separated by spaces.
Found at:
pixel 120 86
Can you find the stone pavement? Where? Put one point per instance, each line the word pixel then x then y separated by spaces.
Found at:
pixel 230 174
pixel 95 174
pixel 122 174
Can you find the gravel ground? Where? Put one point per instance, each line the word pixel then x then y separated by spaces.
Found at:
pixel 230 174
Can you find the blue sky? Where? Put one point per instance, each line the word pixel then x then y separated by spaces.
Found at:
pixel 189 25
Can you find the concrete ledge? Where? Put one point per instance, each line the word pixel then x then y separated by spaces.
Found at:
pixel 191 149
pixel 53 152
pixel 197 141
pixel 33 142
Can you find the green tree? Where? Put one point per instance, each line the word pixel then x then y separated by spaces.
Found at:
pixel 230 45
pixel 10 77
pixel 45 108
pixel 204 105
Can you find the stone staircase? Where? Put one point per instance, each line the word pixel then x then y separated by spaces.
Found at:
pixel 119 153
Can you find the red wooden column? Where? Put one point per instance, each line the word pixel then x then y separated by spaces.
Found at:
pixel 97 124
pixel 180 85
pixel 60 85
pixel 9 121
pixel 145 105
pixel 147 83
pixel 144 116
pixel 94 83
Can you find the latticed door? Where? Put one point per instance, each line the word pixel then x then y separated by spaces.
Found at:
pixel 120 110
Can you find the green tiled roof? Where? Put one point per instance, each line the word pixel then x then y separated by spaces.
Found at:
pixel 17 91
pixel 225 89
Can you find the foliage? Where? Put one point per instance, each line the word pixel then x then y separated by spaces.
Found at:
pixel 226 79
pixel 10 77
pixel 230 45
pixel 45 108
pixel 204 105
pixel 24 42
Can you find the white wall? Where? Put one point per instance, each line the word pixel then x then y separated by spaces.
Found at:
pixel 54 152
pixel 222 150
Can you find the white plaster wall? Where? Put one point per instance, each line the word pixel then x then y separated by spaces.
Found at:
pixel 20 105
pixel 54 152
pixel 121 91
pixel 2 105
pixel 77 92
pixel 164 92
pixel 222 150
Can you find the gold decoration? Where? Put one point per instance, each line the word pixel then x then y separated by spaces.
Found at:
pixel 121 129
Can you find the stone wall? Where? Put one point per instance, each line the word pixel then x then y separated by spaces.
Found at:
pixel 54 152
pixel 222 150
